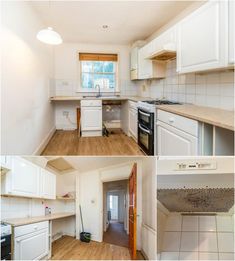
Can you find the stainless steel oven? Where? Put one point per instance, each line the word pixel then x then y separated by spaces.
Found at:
pixel 146 131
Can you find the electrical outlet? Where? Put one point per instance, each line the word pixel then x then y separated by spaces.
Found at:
pixel 65 113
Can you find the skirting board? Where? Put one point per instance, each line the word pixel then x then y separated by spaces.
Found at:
pixel 43 144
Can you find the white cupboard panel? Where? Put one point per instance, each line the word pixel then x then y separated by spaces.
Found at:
pixel 174 142
pixel 231 27
pixel 48 184
pixel 133 122
pixel 91 118
pixel 32 246
pixel 25 178
pixel 202 38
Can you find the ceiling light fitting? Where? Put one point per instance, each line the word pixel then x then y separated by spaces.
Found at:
pixel 49 36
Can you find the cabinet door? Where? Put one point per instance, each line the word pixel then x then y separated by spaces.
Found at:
pixel 231 26
pixel 134 58
pixel 133 122
pixel 48 184
pixel 144 65
pixel 91 118
pixel 25 178
pixel 202 38
pixel 5 162
pixel 174 142
pixel 33 246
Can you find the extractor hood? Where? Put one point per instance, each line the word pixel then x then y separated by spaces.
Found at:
pixel 164 53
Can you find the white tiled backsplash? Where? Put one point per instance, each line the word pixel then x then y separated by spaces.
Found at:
pixel 198 238
pixel 68 87
pixel 22 207
pixel 212 89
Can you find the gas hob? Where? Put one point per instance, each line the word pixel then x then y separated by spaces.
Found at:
pixel 150 105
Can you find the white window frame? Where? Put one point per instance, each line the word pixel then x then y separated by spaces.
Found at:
pixel 93 90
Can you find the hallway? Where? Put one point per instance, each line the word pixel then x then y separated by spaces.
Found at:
pixel 116 234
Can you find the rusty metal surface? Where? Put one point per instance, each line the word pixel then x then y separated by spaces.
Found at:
pixel 197 200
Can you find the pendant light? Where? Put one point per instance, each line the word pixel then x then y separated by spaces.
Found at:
pixel 48 35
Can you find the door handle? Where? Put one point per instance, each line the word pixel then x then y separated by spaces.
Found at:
pixel 145 114
pixel 143 129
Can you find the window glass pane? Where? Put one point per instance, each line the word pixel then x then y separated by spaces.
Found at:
pixel 110 78
pixel 98 80
pixel 98 66
pixel 87 80
pixel 86 66
pixel 98 73
pixel 108 67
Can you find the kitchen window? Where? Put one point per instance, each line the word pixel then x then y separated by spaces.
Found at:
pixel 98 70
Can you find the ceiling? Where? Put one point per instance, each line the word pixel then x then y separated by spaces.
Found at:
pixel 128 21
pixel 84 164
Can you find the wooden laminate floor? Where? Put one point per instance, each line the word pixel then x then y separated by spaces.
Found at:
pixel 68 143
pixel 68 248
pixel 116 235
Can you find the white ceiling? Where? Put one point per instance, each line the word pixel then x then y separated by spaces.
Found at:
pixel 84 164
pixel 128 21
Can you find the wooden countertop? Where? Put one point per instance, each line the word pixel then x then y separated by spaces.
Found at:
pixel 217 117
pixel 107 98
pixel 15 222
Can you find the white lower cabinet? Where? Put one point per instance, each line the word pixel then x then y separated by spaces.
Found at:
pixel 176 135
pixel 31 242
pixel 48 181
pixel 174 142
pixel 133 130
pixel 91 117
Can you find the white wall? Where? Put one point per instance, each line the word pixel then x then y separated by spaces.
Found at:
pixel 91 198
pixel 27 114
pixel 148 207
pixel 23 207
pixel 67 77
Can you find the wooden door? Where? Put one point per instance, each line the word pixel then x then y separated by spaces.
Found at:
pixel 132 211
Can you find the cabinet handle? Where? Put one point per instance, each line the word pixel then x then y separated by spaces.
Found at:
pixel 35 227
pixel 3 240
pixel 171 120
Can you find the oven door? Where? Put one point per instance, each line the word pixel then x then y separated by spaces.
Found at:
pixel 145 139
pixel 146 118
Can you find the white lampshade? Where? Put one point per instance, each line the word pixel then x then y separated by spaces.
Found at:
pixel 49 36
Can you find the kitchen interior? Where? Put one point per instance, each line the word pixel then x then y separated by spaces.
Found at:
pixel 115 84
pixel 48 203
pixel 195 208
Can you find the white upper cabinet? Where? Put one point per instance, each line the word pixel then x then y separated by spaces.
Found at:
pixel 203 38
pixel 48 184
pixel 164 46
pixel 23 179
pixel 28 180
pixel 148 69
pixel 134 58
pixel 231 28
pixel 145 68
